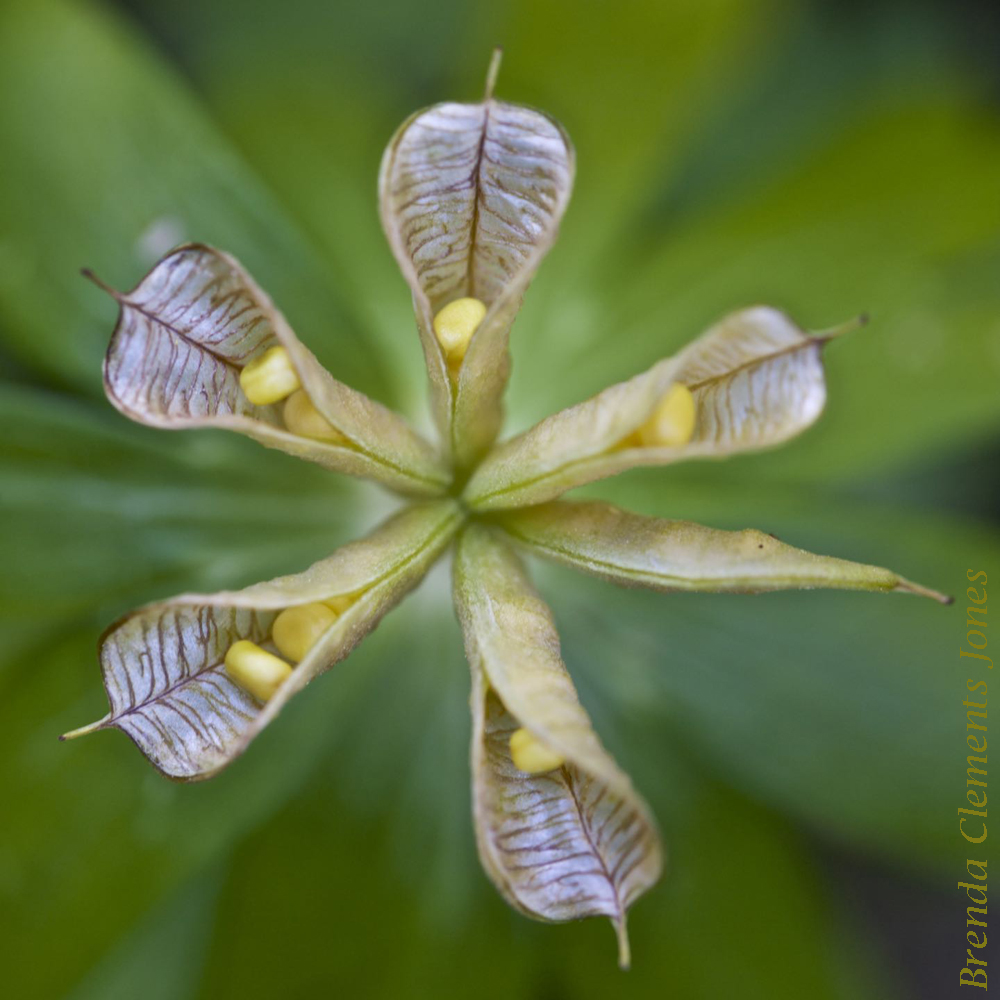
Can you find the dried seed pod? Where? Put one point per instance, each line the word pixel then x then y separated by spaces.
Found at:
pixel 197 338
pixel 471 196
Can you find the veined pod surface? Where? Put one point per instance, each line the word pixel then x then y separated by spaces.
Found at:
pixel 164 665
pixel 471 196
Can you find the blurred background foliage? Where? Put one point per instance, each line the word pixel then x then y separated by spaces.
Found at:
pixel 803 752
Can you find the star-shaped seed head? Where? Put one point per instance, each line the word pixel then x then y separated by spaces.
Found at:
pixel 471 196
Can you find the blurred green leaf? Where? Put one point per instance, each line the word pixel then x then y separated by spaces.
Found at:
pixel 162 958
pixel 108 162
pixel 101 514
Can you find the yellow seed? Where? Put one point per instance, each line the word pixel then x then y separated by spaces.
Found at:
pixel 296 630
pixel 340 603
pixel 269 378
pixel 672 422
pixel 302 418
pixel 531 755
pixel 256 670
pixel 455 324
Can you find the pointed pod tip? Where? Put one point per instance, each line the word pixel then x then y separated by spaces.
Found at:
pixel 849 326
pixel 85 730
pixel 493 72
pixel 90 276
pixel 624 950
pixel 909 587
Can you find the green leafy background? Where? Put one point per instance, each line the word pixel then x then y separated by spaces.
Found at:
pixel 825 158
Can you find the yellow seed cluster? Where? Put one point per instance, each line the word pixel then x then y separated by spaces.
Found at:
pixel 302 418
pixel 454 326
pixel 269 378
pixel 296 630
pixel 256 670
pixel 672 422
pixel 531 755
